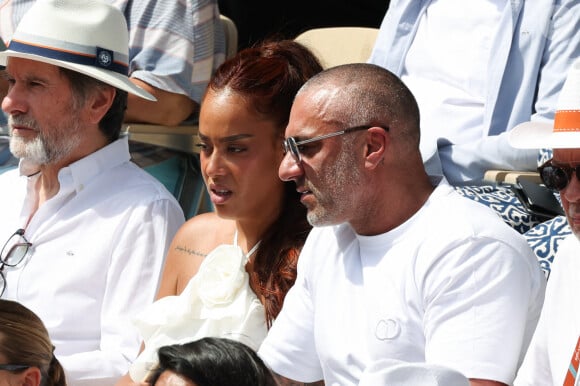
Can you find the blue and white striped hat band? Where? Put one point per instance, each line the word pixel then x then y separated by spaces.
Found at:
pixel 88 56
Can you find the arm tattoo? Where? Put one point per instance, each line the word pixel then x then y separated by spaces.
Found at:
pixel 189 251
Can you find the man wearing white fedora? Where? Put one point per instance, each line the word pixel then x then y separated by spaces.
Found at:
pixel 175 46
pixel 554 353
pixel 85 230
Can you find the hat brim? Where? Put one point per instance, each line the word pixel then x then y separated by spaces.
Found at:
pixel 541 135
pixel 109 77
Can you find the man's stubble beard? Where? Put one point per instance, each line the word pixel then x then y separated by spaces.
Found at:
pixel 333 206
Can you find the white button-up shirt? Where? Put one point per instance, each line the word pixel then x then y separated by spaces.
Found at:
pixel 97 251
pixel 535 44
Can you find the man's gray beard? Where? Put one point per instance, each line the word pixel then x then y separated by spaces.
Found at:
pixel 33 150
pixel 46 148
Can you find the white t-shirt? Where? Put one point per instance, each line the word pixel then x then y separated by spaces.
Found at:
pixel 453 285
pixel 558 330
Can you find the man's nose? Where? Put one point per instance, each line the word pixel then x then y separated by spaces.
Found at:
pixel 290 169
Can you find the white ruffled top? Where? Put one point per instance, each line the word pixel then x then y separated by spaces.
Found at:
pixel 217 302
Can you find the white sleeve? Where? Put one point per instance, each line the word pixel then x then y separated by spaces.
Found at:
pixel 482 301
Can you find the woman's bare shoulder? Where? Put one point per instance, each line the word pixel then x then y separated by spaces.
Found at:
pixel 204 232
pixel 194 240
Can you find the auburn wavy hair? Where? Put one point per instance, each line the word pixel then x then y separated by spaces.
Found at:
pixel 268 76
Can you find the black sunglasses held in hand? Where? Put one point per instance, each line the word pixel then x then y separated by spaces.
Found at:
pixel 557 177
pixel 12 254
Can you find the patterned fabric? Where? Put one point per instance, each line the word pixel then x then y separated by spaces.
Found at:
pixel 504 202
pixel 544 239
pixel 542 236
pixel 544 156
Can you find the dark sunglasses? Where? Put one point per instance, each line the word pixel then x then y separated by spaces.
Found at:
pixel 293 146
pixel 556 178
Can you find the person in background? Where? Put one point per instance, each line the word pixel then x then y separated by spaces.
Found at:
pixel 415 271
pixel 26 352
pixel 210 362
pixel 552 358
pixel 493 63
pixel 258 227
pixel 85 229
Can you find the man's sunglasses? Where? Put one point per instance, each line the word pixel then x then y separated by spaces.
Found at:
pixel 293 146
pixel 556 178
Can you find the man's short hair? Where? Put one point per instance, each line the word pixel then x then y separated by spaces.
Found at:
pixel 82 86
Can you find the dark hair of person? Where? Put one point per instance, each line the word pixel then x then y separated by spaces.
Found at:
pixel 24 340
pixel 213 362
pixel 268 76
pixel 112 122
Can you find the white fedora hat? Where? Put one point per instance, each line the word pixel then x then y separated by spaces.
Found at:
pixel 565 132
pixel 391 372
pixel 86 36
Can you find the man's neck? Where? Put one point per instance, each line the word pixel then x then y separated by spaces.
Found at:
pixel 47 185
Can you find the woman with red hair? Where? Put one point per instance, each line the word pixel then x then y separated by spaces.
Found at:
pixel 227 272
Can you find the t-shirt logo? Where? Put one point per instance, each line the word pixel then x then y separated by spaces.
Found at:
pixel 387 329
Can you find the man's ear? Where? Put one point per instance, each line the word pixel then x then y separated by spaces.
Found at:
pixel 377 142
pixel 31 377
pixel 100 102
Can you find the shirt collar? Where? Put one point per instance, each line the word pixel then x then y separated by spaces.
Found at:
pixel 87 168
pixel 106 158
